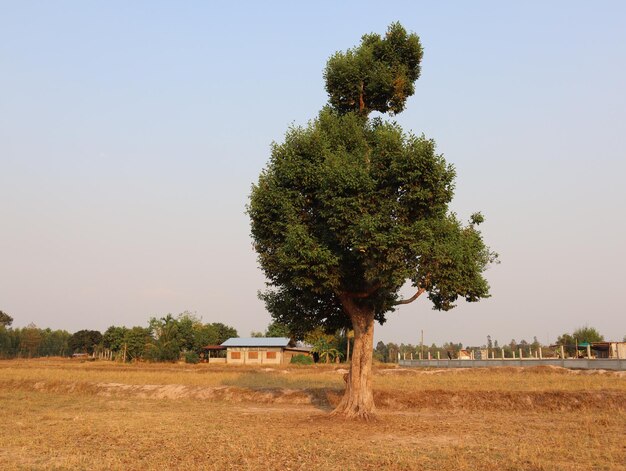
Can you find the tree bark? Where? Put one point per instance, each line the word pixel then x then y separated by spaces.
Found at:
pixel 358 398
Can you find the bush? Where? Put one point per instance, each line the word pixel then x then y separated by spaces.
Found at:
pixel 301 359
pixel 192 357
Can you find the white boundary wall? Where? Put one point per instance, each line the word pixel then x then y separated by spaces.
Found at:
pixel 574 363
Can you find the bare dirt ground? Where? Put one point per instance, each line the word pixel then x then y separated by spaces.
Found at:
pixel 65 414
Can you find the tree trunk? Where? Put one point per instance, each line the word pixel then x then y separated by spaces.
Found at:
pixel 358 398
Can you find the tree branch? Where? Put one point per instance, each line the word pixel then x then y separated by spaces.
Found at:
pixel 361 100
pixel 411 299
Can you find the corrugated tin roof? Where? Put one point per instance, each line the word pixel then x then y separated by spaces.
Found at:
pixel 257 342
pixel 299 349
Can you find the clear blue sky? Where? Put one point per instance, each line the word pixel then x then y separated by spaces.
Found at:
pixel 131 132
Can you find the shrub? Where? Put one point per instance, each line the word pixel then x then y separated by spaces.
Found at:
pixel 301 359
pixel 192 357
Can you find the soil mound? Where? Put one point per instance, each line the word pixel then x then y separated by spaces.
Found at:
pixel 327 398
pixel 504 400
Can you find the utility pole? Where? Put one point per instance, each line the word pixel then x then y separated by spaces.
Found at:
pixel 422 345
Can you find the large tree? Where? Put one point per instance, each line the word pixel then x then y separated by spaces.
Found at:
pixel 350 208
pixel 84 341
pixel 587 334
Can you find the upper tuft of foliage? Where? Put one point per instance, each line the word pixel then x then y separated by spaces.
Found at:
pixel 378 75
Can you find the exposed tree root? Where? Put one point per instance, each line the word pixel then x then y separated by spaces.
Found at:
pixel 355 414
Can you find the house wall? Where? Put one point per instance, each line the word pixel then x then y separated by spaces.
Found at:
pixel 247 355
pixel 465 355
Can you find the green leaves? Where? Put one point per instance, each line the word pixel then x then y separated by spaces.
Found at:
pixel 452 260
pixel 587 334
pixel 172 335
pixel 5 319
pixel 378 75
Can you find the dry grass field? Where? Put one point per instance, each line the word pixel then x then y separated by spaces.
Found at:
pixel 66 414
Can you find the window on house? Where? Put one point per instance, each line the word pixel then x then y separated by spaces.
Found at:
pixel 235 355
pixel 271 355
pixel 253 355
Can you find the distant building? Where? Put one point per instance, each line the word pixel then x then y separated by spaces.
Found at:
pixel 609 349
pixel 465 355
pixel 213 354
pixel 262 350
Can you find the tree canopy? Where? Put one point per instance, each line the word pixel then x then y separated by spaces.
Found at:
pixel 84 341
pixel 584 334
pixel 350 207
pixel 184 333
pixel 587 334
pixel 5 319
pixel 274 329
pixel 359 207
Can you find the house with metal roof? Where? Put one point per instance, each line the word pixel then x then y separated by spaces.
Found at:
pixel 262 350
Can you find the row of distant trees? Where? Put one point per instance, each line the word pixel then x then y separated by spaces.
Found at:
pixel 170 338
pixel 31 341
pixel 167 338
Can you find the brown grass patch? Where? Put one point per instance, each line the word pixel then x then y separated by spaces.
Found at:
pixel 329 398
pixel 71 415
